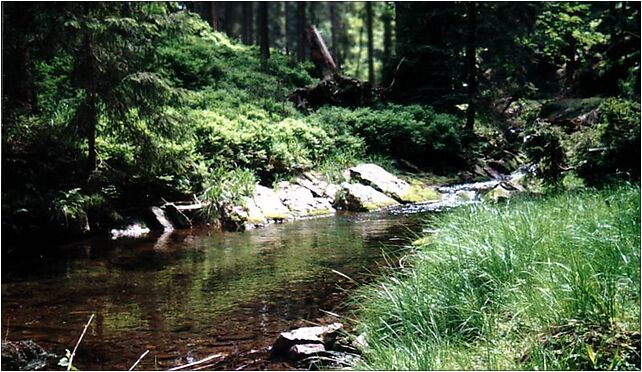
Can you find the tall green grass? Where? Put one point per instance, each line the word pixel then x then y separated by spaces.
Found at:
pixel 538 283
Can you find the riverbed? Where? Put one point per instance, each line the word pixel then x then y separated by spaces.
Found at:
pixel 193 293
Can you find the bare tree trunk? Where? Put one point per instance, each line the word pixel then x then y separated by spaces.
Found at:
pixel 359 54
pixel 320 55
pixel 301 30
pixel 371 75
pixel 265 45
pixel 214 15
pixel 90 116
pixel 286 33
pixel 312 12
pixel 248 21
pixel 334 27
pixel 386 18
pixel 471 61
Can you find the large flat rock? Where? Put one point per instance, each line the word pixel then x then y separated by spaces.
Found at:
pixel 319 187
pixel 391 185
pixel 270 204
pixel 301 202
pixel 362 198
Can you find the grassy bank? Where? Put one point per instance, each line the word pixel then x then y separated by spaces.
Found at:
pixel 538 283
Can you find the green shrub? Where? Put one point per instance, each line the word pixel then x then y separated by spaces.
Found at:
pixel 227 187
pixel 543 146
pixel 613 149
pixel 409 132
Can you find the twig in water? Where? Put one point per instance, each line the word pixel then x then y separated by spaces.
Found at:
pixel 343 275
pixel 187 366
pixel 138 361
pixel 73 353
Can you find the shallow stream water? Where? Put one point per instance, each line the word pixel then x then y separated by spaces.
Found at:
pixel 190 294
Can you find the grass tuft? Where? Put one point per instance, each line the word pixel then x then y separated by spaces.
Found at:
pixel 547 282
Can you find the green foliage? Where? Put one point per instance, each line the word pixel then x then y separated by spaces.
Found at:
pixel 564 28
pixel 542 283
pixel 544 148
pixel 409 132
pixel 613 151
pixel 598 153
pixel 69 208
pixel 253 141
pixel 227 187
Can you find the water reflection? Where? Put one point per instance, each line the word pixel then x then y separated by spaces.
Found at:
pixel 190 294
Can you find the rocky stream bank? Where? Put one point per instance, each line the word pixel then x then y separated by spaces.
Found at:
pixel 365 187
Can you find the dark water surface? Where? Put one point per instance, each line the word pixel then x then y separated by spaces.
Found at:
pixel 190 294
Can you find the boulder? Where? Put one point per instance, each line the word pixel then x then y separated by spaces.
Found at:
pixel 270 204
pixel 302 351
pixel 26 356
pixel 571 113
pixel 321 335
pixel 255 216
pixel 359 198
pixel 313 182
pixel 157 220
pixel 331 192
pixel 320 188
pixel 498 193
pixel 262 208
pixel 234 218
pixel 377 177
pixel 178 219
pixel 302 202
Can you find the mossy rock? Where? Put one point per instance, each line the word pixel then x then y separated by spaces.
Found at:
pixel 419 193
pixel 320 212
pixel 498 194
pixel 277 216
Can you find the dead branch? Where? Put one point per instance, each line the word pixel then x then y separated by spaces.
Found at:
pixel 73 353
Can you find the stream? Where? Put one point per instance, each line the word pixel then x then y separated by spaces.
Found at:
pixel 193 293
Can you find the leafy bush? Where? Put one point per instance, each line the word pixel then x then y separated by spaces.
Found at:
pixel 613 148
pixel 599 153
pixel 409 132
pixel 543 146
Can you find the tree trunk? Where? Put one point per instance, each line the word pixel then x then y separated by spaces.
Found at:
pixel 386 19
pixel 359 53
pixel 312 12
pixel 230 19
pixel 265 46
pixel 90 117
pixel 334 28
pixel 286 33
pixel 471 61
pixel 301 30
pixel 214 15
pixel 248 21
pixel 320 55
pixel 371 75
